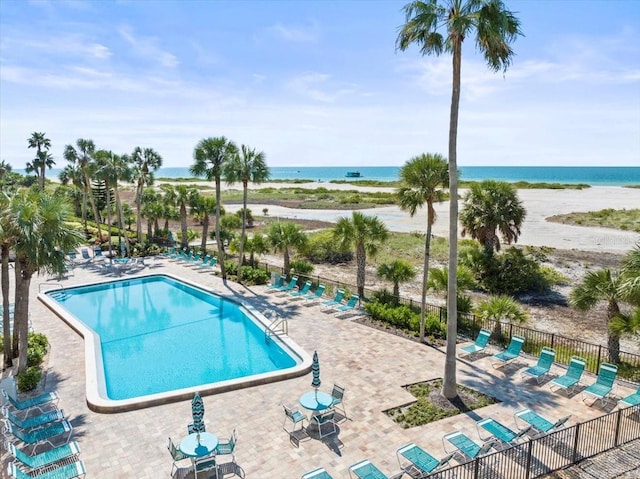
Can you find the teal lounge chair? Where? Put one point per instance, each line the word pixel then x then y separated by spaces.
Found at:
pixel 417 462
pixel 351 304
pixel 336 300
pixel 571 379
pixel 480 344
pixel 210 263
pixel 539 424
pixel 319 473
pixel 366 470
pixel 69 471
pixel 279 282
pixel 42 402
pixel 542 368
pixel 43 435
pixel 32 422
pixel 301 292
pixel 631 400
pixel 604 385
pixel 317 294
pixel 44 459
pixel 288 287
pixel 465 448
pixel 500 433
pixel 179 254
pixel 510 354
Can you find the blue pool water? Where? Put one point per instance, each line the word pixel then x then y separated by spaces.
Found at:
pixel 158 334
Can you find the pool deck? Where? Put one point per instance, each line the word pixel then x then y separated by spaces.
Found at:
pixel 372 366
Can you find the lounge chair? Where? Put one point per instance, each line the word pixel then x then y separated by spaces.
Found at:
pixel 319 473
pixel 337 399
pixel 301 292
pixel 366 470
pixel 277 282
pixel 171 252
pixel 178 254
pixel 68 471
pixel 32 422
pixel 43 435
pixel 209 263
pixel 466 448
pixel 317 294
pixel 571 379
pixel 417 462
pixel 351 304
pixel 510 354
pixel 543 367
pixel 604 385
pixel 97 255
pixel 84 252
pixel 539 424
pixel 295 416
pixel 336 299
pixel 45 459
pixel 288 287
pixel 478 346
pixel 499 432
pixel 325 417
pixel 631 400
pixel 176 455
pixel 42 402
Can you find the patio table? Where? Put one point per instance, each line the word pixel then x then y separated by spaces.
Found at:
pixel 316 401
pixel 199 444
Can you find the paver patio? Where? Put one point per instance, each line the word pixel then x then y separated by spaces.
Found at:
pixel 372 366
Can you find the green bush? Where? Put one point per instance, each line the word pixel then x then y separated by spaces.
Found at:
pixel 37 344
pixel 252 276
pixel 29 379
pixel 301 266
pixel 37 339
pixel 322 248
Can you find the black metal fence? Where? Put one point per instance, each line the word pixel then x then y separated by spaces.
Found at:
pixel 557 450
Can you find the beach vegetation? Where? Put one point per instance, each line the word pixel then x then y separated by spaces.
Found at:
pixel 257 244
pixel 321 248
pixel 286 237
pixel 145 161
pixel 181 196
pixel 625 219
pixel 501 308
pixel 439 277
pixel 365 234
pixel 398 272
pixel 422 179
pixel 441 26
pixel 301 266
pixel 43 158
pixel 203 206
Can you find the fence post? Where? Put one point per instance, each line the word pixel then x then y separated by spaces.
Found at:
pixel 528 465
pixel 574 455
pixel 553 339
pixel 599 356
pixel 476 468
pixel 617 435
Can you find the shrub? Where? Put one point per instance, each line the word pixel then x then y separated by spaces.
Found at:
pixel 301 266
pixel 251 276
pixel 37 344
pixel 403 317
pixel 322 248
pixel 29 379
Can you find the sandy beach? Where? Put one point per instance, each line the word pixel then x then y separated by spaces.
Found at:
pixel 536 230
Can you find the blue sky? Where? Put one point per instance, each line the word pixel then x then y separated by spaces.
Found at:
pixel 316 83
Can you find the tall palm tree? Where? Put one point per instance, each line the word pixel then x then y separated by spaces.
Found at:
pixel 245 166
pixel 83 160
pixel 6 241
pixel 491 206
pixel 39 222
pixel 204 206
pixel 422 180
pixel 146 161
pixel 210 156
pixel 398 271
pixel 285 236
pixel 495 28
pixel 366 234
pixel 630 270
pixel 43 159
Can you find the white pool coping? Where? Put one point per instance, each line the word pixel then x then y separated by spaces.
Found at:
pixel 96 390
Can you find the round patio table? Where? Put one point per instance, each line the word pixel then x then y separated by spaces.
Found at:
pixel 316 401
pixel 199 444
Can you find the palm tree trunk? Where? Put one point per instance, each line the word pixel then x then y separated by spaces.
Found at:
pixel 205 232
pixel 223 271
pixel 108 215
pixel 361 263
pixel 138 208
pixel 6 325
pixel 18 278
pixel 121 220
pixel 425 270
pixel 96 215
pixel 21 317
pixel 242 234
pixel 449 384
pixel 613 339
pixel 183 225
pixel 286 261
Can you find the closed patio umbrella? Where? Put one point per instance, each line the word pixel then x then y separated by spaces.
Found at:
pixel 315 370
pixel 197 412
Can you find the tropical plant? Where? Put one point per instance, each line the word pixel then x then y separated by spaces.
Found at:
pixel 501 308
pixel 396 272
pixel 211 155
pixel 284 237
pixel 204 207
pixel 630 270
pixel 492 206
pixel 439 277
pixel 495 28
pixel 6 240
pixel 257 244
pixel 145 162
pixel 244 166
pixel 422 180
pixel 366 234
pixel 43 159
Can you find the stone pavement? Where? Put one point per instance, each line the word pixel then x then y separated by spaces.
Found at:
pixel 372 365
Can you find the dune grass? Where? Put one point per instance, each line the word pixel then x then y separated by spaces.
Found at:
pixel 625 219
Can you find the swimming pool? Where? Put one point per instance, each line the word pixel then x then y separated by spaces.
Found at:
pixel 156 338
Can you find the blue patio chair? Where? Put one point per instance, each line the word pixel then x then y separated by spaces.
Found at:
pixel 301 292
pixel 323 418
pixel 176 455
pixel 352 303
pixel 417 462
pixel 193 257
pixel 97 255
pixel 68 471
pixel 84 252
pixel 278 281
pixel 288 287
pixel 210 263
pixel 478 346
pixel 45 459
pixel 43 435
pixel 295 416
pixel 337 399
pixel 171 252
pixel 571 379
pixel 604 385
pixel 43 402
pixel 631 400
pixel 539 424
pixel 500 433
pixel 32 422
pixel 319 473
pixel 179 253
pixel 466 448
pixel 543 367
pixel 227 446
pixel 336 299
pixel 510 354
pixel 317 294
pixel 367 470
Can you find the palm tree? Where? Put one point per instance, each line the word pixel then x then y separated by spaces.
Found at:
pixel 43 159
pixel 439 278
pixel 422 177
pixel 39 222
pixel 211 155
pixel 5 246
pixel 245 166
pixel 204 206
pixel 396 272
pixel 366 233
pixel 146 161
pixel 495 28
pixel 501 308
pixel 630 270
pixel 82 160
pixel 285 236
pixel 257 244
pixel 492 206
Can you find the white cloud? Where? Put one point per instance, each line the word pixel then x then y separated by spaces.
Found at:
pixel 299 34
pixel 147 48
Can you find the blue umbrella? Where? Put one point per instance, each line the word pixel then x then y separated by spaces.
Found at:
pixel 197 412
pixel 315 369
